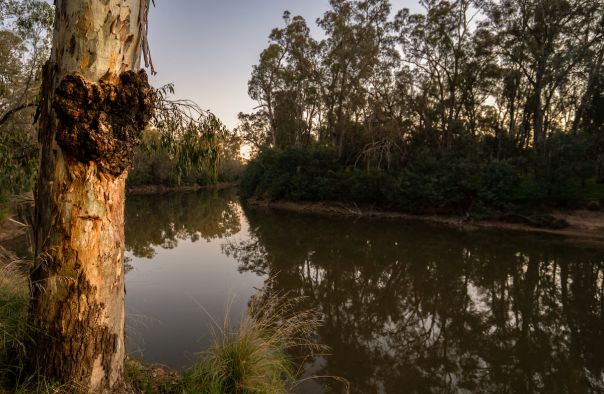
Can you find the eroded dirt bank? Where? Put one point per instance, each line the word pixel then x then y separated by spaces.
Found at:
pixel 582 226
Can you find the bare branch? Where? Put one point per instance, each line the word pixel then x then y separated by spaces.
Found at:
pixel 8 114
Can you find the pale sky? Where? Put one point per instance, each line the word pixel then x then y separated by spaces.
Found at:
pixel 207 47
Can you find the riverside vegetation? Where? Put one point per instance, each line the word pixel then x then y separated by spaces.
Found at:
pixel 426 184
pixel 465 107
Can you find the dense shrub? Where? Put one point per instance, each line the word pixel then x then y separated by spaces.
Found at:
pixel 293 174
pixel 375 188
pixel 499 181
pixel 432 184
pixel 426 183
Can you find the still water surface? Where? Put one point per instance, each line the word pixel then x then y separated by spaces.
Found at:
pixel 407 307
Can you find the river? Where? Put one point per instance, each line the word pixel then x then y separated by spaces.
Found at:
pixel 406 306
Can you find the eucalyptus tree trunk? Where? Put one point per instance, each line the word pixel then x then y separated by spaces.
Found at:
pixel 93 108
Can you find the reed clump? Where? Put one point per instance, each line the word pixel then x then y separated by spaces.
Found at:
pixel 258 356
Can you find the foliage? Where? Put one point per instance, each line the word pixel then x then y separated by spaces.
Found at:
pixel 25 33
pixel 293 173
pixel 435 184
pixel 156 162
pixel 428 183
pixel 499 180
pixel 186 145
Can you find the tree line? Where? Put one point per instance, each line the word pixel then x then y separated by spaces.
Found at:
pixel 25 34
pixel 516 82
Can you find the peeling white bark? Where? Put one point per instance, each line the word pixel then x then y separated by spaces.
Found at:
pixel 78 300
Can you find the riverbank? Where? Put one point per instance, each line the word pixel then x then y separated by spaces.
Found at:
pixel 582 224
pixel 159 189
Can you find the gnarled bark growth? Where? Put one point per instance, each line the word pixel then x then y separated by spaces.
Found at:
pixel 102 122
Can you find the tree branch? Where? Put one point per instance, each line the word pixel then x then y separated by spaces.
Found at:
pixel 8 114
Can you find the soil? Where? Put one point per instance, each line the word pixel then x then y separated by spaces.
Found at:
pixel 582 225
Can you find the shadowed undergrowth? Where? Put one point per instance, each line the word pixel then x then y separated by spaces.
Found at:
pixel 14 302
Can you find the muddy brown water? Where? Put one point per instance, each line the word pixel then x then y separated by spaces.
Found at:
pixel 407 307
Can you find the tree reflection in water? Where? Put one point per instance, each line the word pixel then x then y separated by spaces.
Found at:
pixel 416 308
pixel 163 220
pixel 173 295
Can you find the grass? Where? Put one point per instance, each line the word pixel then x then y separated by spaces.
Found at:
pixel 257 356
pixel 14 301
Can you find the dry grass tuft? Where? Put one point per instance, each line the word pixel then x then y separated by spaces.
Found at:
pixel 14 300
pixel 257 357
